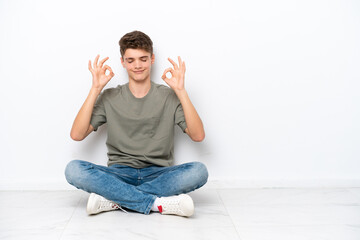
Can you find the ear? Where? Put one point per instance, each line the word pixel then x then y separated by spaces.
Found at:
pixel 153 58
pixel 122 62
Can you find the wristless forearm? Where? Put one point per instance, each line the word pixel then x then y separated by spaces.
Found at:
pixel 82 120
pixel 193 121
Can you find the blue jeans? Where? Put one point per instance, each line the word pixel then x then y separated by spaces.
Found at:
pixel 133 188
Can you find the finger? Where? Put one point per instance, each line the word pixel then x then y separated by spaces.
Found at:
pixel 111 73
pixel 108 68
pixel 168 70
pixel 102 61
pixel 173 63
pixel 184 66
pixel 164 77
pixel 89 66
pixel 96 61
pixel 180 62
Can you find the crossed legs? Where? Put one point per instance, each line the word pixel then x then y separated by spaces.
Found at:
pixel 132 188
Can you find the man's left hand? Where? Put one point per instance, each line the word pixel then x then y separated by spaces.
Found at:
pixel 176 82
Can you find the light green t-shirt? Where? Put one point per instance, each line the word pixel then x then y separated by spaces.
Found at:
pixel 140 130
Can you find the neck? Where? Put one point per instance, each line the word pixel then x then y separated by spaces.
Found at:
pixel 139 88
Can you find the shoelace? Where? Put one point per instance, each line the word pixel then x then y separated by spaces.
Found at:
pixel 171 206
pixel 106 204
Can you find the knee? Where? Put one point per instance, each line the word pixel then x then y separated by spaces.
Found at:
pixel 72 170
pixel 200 170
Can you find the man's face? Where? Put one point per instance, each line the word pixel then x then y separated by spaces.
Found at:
pixel 137 63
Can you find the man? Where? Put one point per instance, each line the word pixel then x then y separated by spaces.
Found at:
pixel 141 116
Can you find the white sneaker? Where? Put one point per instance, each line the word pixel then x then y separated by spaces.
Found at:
pixel 97 204
pixel 181 205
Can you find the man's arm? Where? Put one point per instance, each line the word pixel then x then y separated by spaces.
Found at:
pixel 195 128
pixel 81 127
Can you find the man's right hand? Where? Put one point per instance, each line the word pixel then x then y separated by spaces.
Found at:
pixel 100 79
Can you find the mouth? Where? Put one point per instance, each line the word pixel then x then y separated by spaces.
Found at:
pixel 139 72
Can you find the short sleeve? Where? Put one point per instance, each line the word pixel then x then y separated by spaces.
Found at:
pixel 98 116
pixel 180 117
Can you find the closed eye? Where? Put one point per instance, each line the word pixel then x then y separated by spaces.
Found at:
pixel 143 59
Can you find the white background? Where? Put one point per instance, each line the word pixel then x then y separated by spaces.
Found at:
pixel 276 84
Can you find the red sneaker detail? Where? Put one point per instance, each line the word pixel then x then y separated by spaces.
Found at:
pixel 160 208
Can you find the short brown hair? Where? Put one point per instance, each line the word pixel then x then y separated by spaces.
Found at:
pixel 136 40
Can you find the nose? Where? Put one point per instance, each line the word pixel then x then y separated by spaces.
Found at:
pixel 138 64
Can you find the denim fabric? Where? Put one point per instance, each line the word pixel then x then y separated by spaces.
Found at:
pixel 133 188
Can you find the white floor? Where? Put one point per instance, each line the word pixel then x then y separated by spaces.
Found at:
pixel 247 214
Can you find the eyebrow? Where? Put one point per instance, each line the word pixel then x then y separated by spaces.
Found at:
pixel 130 58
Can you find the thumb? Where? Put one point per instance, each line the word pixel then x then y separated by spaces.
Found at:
pixel 165 78
pixel 110 76
pixel 106 67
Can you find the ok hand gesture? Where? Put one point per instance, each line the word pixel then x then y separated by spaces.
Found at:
pixel 176 82
pixel 100 79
